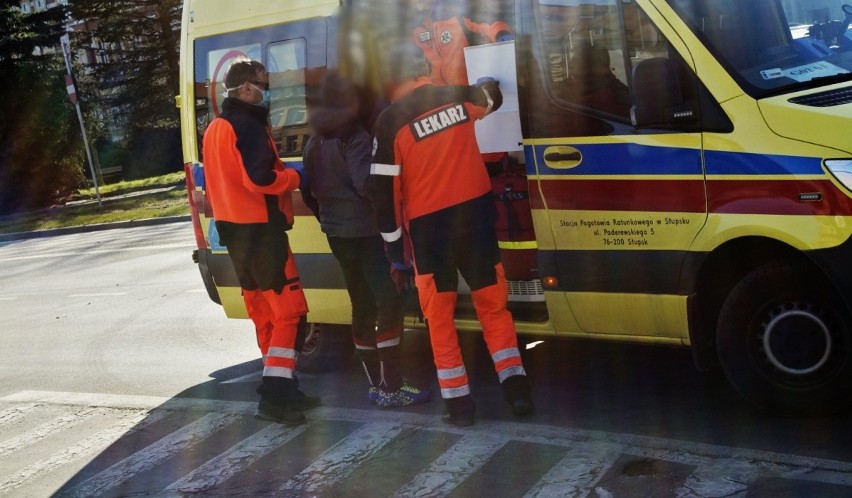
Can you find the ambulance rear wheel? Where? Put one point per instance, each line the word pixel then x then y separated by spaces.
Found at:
pixel 327 347
pixel 784 342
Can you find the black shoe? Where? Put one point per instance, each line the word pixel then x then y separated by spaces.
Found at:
pixel 458 419
pixel 516 392
pixel 281 414
pixel 459 411
pixel 302 401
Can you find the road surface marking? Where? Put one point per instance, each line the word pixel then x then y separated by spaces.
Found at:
pixel 454 466
pixel 337 462
pixel 236 459
pixel 99 294
pixel 586 466
pixel 91 252
pixel 578 471
pixel 252 377
pixel 149 457
pixel 46 430
pixel 13 413
pixel 83 449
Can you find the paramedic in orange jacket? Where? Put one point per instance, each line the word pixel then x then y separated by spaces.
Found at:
pixel 249 191
pixel 444 33
pixel 428 175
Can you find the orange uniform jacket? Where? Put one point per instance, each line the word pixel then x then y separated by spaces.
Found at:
pixel 418 139
pixel 443 45
pixel 238 152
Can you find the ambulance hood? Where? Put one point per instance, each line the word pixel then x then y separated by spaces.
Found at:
pixel 822 117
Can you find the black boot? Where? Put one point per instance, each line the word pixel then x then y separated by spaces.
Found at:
pixel 302 401
pixel 277 401
pixel 517 392
pixel 459 411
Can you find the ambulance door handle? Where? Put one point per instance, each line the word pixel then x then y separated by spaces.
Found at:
pixel 562 157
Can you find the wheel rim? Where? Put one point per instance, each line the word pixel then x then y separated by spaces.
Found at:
pixel 798 344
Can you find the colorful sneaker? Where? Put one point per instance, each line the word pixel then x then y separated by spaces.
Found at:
pixel 406 395
pixel 373 395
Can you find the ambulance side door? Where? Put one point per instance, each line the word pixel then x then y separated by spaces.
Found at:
pixel 612 136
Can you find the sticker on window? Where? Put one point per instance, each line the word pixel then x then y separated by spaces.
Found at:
pixel 771 74
pixel 813 70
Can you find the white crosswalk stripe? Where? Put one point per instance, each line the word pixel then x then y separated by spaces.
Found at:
pixel 46 429
pixel 454 466
pixel 236 459
pixel 581 462
pixel 152 455
pixel 337 462
pixel 83 449
pixel 577 471
pixel 14 413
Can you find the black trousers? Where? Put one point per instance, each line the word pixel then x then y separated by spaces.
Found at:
pixel 377 307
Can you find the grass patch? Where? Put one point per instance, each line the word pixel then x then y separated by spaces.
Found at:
pixel 120 188
pixel 123 201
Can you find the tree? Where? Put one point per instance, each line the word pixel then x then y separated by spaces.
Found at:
pixel 41 155
pixel 135 76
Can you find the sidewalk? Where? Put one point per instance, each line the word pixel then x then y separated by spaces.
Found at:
pixel 6 237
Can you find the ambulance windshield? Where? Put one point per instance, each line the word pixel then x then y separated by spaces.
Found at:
pixel 775 47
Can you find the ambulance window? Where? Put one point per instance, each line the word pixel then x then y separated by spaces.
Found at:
pixel 584 43
pixel 606 69
pixel 286 63
pixel 213 56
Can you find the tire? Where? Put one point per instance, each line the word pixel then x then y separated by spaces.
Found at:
pixel 327 348
pixel 783 340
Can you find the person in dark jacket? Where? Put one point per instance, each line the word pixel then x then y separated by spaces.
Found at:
pixel 249 190
pixel 337 162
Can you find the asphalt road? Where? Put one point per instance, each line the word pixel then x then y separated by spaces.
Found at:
pixel 119 377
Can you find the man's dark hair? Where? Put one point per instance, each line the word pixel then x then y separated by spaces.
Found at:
pixel 240 71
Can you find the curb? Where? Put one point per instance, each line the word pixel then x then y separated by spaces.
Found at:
pixel 37 234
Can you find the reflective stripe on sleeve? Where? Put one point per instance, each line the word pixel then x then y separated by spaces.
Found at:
pixel 384 169
pixel 392 236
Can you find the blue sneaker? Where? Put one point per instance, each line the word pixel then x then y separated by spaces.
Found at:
pixel 373 395
pixel 406 395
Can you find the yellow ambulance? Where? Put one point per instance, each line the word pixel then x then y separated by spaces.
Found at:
pixel 682 172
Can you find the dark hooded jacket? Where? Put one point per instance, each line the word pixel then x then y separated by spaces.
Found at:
pixel 337 161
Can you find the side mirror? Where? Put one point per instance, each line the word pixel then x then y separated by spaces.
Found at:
pixel 658 100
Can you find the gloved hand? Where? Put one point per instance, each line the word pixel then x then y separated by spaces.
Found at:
pixel 303 175
pixel 505 37
pixel 491 87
